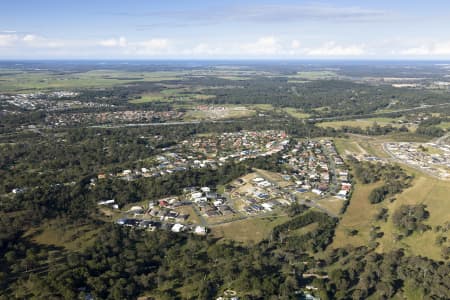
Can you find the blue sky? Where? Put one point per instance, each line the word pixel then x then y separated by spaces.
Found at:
pixel 140 29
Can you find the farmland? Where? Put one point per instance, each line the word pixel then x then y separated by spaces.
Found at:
pixel 45 80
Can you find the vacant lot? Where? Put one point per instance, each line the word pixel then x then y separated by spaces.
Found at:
pixel 273 177
pixel 360 213
pixel 248 231
pixel 358 216
pixel 332 204
pixel 217 113
pixel 434 194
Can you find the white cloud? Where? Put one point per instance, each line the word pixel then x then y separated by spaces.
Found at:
pixel 36 41
pixel 120 42
pixel 204 49
pixel 333 49
pixel 31 45
pixel 7 40
pixel 434 48
pixel 154 44
pixel 267 45
pixel 151 47
pixel 295 44
pixel 30 38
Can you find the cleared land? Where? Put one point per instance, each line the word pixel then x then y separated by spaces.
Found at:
pixel 434 194
pixel 170 96
pixel 364 123
pixel 224 112
pixel 332 204
pixel 71 237
pixel 426 190
pixel 444 125
pixel 315 75
pixel 358 216
pixel 296 113
pixel 248 231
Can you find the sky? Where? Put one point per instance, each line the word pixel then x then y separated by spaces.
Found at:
pixel 226 29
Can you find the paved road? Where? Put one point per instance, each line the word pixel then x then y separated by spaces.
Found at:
pixel 199 215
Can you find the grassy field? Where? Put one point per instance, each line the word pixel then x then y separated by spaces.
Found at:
pixel 363 123
pixel 261 106
pixel 150 97
pixel 303 230
pixel 359 215
pixel 193 217
pixel 248 231
pixel 71 237
pixel 347 146
pixel 315 75
pixel 332 204
pixel 296 113
pixel 171 95
pixel 444 125
pixel 434 194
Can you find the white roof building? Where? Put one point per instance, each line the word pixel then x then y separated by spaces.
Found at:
pixel 201 230
pixel 177 227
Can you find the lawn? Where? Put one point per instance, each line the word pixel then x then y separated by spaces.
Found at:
pixel 193 217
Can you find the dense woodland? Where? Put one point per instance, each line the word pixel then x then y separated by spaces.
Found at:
pixel 124 264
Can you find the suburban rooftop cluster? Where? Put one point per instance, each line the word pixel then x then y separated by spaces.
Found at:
pixel 433 158
pixel 212 151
